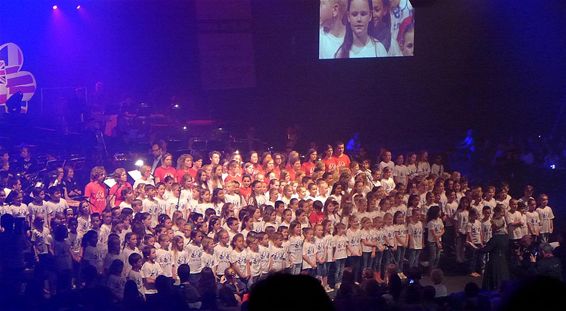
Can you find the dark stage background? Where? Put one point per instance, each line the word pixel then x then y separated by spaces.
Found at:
pixel 495 66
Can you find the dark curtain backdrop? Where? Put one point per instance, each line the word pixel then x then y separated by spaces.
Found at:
pixel 495 66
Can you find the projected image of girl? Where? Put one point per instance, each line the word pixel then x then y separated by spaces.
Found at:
pixel 380 26
pixel 399 10
pixel 332 28
pixel 406 37
pixel 357 42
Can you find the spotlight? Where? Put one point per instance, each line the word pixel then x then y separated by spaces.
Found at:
pixel 176 106
pixel 139 163
pixel 185 128
pixel 552 166
pixel 78 7
pixel 55 7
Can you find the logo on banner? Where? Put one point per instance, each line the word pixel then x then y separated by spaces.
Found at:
pixel 12 79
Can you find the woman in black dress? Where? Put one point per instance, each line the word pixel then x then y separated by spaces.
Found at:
pixel 497 267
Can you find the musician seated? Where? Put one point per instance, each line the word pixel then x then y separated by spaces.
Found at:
pixel 25 164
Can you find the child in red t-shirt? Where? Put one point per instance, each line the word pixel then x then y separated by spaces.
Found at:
pixel 95 190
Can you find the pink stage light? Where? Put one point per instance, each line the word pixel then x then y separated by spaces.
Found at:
pixel 78 7
pixel 55 7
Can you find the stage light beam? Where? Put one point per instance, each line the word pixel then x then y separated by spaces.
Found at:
pixel 78 7
pixel 55 7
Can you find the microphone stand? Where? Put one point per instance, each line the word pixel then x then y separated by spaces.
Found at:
pixel 179 198
pixel 112 196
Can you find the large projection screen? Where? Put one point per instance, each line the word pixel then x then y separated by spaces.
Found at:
pixel 366 28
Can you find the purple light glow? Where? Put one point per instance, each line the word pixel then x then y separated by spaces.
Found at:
pixel 78 7
pixel 55 7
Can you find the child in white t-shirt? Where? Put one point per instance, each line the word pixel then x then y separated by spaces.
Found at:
pixel 163 255
pixel 309 253
pixel 340 243
pixel 37 206
pixel 328 226
pixel 387 181
pixel 533 219
pixel 135 260
pixel 486 230
pixel 62 251
pixel 400 171
pixel 523 213
pixel 263 250
pixel 207 258
pixel 295 247
pixel 461 219
pixel 412 165
pixel 474 242
pixel 238 258
pixel 435 228
pixel 180 257
pixel 41 240
pixel 437 168
pixel 128 195
pixel 386 161
pixel 115 281
pixel 56 204
pixel 321 253
pixel 503 198
pixel 194 252
pixel 368 244
pixel 112 251
pixel 390 240
pixel 546 218
pixel 18 209
pixel 150 204
pixel 354 247
pixel 415 239
pixel 150 270
pixel 448 211
pixel 104 232
pixel 399 205
pixel 378 238
pixel 278 255
pixel 91 254
pixel 514 222
pixel 221 252
pixel 402 239
pixel 130 247
pixel 489 198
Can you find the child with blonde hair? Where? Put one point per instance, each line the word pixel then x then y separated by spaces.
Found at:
pixel 309 253
pixel 278 255
pixel 354 247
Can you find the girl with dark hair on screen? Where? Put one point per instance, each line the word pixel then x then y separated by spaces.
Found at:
pixel 357 42
pixel 380 26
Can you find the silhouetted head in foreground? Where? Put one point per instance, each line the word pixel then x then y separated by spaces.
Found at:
pixel 306 294
pixel 538 293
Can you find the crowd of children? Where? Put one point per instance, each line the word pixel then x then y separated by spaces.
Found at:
pixel 366 28
pixel 241 220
